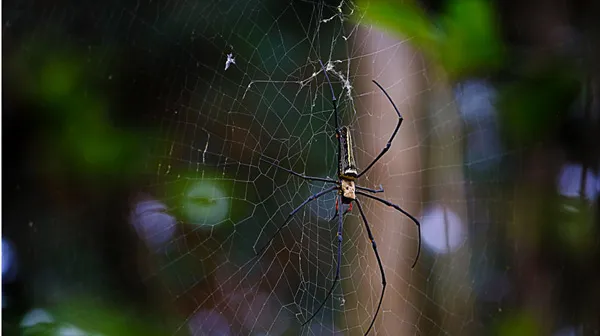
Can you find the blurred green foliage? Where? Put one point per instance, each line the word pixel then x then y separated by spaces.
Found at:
pixel 574 230
pixel 85 316
pixel 535 105
pixel 464 40
pixel 78 134
pixel 518 324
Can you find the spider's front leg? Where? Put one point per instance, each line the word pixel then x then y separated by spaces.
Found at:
pixel 389 143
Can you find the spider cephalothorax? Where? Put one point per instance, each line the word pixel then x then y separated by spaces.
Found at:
pixel 348 191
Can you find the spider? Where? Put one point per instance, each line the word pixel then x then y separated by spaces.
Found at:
pixel 348 191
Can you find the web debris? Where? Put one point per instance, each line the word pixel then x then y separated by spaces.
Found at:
pixel 340 13
pixel 346 82
pixel 230 61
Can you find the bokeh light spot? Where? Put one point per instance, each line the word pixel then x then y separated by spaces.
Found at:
pixel 209 323
pixel 9 262
pixel 569 182
pixel 475 100
pixel 36 316
pixel 568 331
pixel 205 203
pixel 152 223
pixel 72 330
pixel 442 230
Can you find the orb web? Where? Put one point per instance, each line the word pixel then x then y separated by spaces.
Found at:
pixel 254 88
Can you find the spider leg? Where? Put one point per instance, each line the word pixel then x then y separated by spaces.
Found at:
pixel 336 210
pixel 389 143
pixel 374 245
pixel 374 191
pixel 308 200
pixel 388 203
pixel 310 178
pixel 339 263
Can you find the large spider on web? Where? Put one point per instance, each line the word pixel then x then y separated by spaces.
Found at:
pixel 348 191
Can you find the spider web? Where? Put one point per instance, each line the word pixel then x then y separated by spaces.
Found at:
pixel 212 202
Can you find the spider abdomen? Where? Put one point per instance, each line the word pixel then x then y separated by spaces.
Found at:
pixel 347 162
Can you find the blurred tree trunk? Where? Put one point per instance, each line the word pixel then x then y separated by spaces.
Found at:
pixel 428 138
pixel 398 68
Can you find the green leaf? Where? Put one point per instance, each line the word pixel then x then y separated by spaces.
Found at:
pixel 472 42
pixel 466 42
pixel 404 19
pixel 520 324
pixel 533 106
